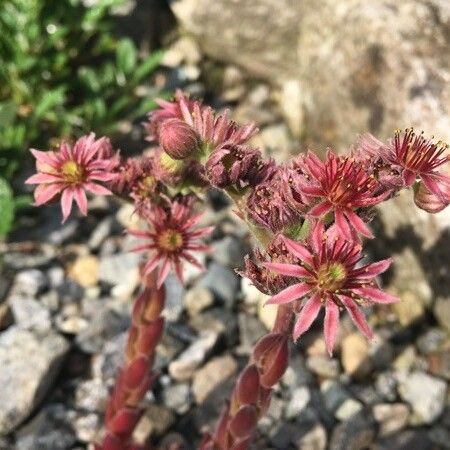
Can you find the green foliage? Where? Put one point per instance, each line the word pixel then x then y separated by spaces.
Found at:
pixel 63 73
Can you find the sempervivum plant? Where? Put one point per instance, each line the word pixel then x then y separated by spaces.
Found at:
pixel 308 218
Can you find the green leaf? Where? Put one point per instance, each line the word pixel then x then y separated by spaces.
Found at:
pixel 6 208
pixel 7 114
pixel 49 101
pixel 148 66
pixel 126 56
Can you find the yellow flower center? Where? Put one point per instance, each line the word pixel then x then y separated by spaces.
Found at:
pixel 331 277
pixel 170 240
pixel 72 172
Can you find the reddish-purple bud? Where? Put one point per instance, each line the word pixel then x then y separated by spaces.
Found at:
pixel 247 386
pixel 426 200
pixel 136 373
pixel 178 139
pixel 271 356
pixel 124 421
pixel 111 443
pixel 244 422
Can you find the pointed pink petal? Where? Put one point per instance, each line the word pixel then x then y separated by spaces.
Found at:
pixel 290 294
pixel 374 269
pixel 358 224
pixel 317 237
pixel 151 265
pixel 45 192
pixel 434 188
pixel 342 224
pixel 192 260
pixel 290 270
pixel 97 189
pixel 409 177
pixel 39 178
pixel 179 271
pixel 307 316
pixel 139 233
pixel 298 250
pixel 66 203
pixel 321 209
pixel 375 295
pixel 313 191
pixel 81 200
pixel 163 272
pixel 330 325
pixel 44 157
pixel 357 316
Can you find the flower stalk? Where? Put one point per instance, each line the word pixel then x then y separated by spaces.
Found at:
pixel 136 377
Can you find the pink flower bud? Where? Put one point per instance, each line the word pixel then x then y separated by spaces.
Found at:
pixel 426 200
pixel 178 139
pixel 271 356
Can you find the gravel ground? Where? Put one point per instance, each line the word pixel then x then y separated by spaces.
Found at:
pixel 64 313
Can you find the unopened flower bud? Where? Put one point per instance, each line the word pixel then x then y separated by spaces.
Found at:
pixel 247 386
pixel 244 421
pixel 271 356
pixel 426 200
pixel 178 139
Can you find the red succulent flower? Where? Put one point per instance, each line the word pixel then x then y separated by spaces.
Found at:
pixel 211 129
pixel 329 276
pixel 342 185
pixel 172 237
pixel 237 165
pixel 73 170
pixel 419 158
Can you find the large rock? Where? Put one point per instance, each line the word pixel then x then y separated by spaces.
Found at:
pixel 29 365
pixel 343 66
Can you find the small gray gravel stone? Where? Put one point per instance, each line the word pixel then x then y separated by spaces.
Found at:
pixel 29 365
pixel 299 400
pixel 51 429
pixel 30 314
pixel 177 397
pixel 30 282
pixel 426 395
pixel 222 282
pixel 185 365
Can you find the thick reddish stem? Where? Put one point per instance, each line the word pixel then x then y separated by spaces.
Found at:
pixel 251 395
pixel 136 376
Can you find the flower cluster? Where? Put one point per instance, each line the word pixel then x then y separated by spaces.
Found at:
pixel 310 216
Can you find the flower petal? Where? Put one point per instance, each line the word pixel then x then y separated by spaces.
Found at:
pixel 321 209
pixel 163 272
pixel 375 295
pixel 307 316
pixel 81 200
pixel 97 189
pixel 298 250
pixel 357 316
pixel 409 177
pixel 374 269
pixel 290 294
pixel 330 325
pixel 40 178
pixel 342 224
pixel 291 270
pixel 358 224
pixel 66 203
pixel 45 192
